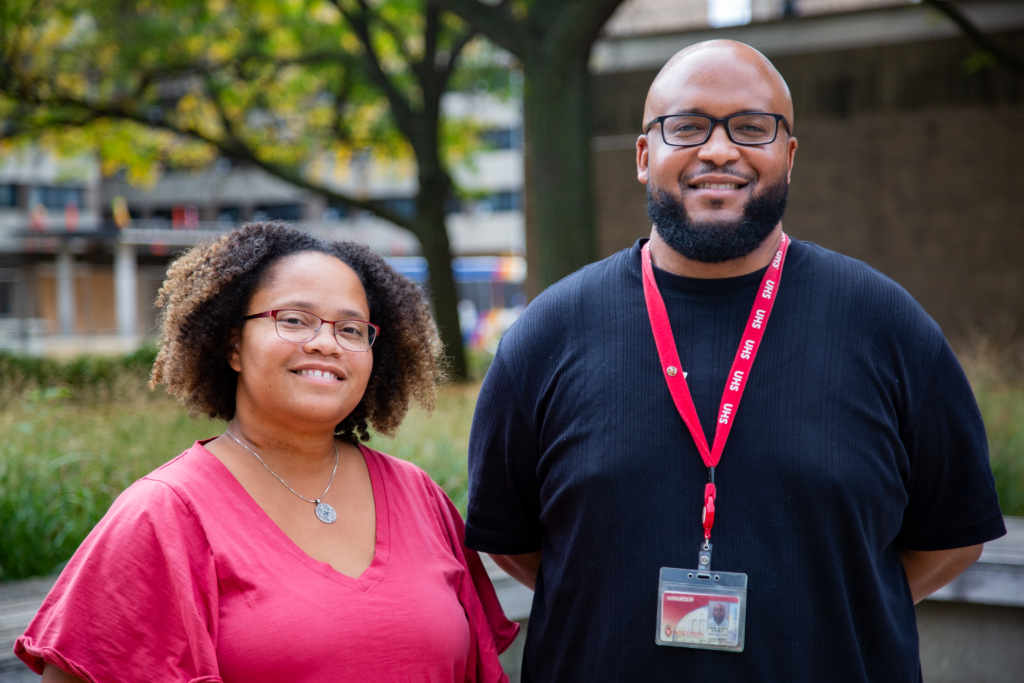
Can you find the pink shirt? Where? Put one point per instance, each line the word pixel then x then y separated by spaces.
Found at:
pixel 187 579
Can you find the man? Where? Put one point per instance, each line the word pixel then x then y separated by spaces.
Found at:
pixel 853 477
pixel 718 613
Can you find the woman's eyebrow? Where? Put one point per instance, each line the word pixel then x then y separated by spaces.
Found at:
pixel 345 313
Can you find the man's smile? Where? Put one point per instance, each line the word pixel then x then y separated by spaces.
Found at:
pixel 716 185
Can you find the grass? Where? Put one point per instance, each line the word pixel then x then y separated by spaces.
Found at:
pixel 1003 410
pixel 69 448
pixel 63 461
pixel 65 456
pixel 995 369
pixel 438 442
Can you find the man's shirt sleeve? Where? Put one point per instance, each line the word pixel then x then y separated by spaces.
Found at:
pixel 504 492
pixel 952 496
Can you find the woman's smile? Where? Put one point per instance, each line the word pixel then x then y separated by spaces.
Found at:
pixel 327 375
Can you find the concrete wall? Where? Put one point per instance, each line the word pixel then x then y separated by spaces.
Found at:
pixel 908 160
pixel 962 642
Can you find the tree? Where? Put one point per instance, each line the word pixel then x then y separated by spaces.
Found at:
pixel 294 87
pixel 553 41
pixel 991 51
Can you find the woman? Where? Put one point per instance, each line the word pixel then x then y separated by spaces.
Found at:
pixel 282 550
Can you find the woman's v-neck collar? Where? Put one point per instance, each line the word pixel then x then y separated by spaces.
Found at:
pixel 371 576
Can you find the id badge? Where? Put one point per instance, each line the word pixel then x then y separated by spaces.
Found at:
pixel 700 609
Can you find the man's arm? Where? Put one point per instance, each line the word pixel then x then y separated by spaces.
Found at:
pixel 929 570
pixel 522 568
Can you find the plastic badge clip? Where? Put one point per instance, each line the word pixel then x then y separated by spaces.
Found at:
pixel 704 561
pixel 708 518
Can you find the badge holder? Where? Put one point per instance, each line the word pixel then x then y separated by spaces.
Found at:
pixel 700 608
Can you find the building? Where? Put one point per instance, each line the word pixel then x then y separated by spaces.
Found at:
pixel 82 258
pixel 44 204
pixel 895 112
pixel 909 147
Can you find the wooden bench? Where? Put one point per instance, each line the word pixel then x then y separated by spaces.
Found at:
pixel 19 602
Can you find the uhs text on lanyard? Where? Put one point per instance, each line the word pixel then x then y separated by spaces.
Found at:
pixel 735 383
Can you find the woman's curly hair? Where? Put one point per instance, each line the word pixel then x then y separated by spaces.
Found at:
pixel 207 293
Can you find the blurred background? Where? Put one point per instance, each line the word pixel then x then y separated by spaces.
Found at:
pixel 487 150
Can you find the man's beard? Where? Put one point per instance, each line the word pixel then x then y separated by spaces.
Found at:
pixel 717 241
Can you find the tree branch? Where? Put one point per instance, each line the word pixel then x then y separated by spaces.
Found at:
pixel 430 31
pixel 207 68
pixel 494 22
pixel 404 115
pixel 341 94
pixel 983 41
pixel 458 45
pixel 21 20
pixel 296 178
pixel 392 30
pixel 232 147
pixel 19 130
pixel 578 26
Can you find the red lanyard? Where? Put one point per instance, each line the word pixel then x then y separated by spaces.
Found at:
pixel 737 380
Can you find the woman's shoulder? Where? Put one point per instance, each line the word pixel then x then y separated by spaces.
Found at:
pixel 167 492
pixel 193 471
pixel 412 486
pixel 396 470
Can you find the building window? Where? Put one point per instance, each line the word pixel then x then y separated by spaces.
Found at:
pixel 9 195
pixel 55 197
pixel 452 205
pixel 278 212
pixel 228 217
pixel 335 212
pixel 403 206
pixel 503 138
pixel 506 201
pixel 500 201
pixel 6 299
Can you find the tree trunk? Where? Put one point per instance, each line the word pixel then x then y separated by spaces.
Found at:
pixel 433 236
pixel 556 107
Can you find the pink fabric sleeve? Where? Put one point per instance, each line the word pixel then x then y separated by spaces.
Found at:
pixel 137 602
pixel 490 631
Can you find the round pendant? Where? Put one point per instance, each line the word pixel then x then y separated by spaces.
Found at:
pixel 325 513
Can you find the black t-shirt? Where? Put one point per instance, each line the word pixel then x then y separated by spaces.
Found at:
pixel 857 434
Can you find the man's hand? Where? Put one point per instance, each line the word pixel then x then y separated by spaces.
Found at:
pixel 929 570
pixel 522 568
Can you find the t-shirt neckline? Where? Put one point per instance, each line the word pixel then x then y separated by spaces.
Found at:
pixel 671 283
pixel 371 576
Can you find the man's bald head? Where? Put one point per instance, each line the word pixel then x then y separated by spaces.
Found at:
pixel 736 72
pixel 720 199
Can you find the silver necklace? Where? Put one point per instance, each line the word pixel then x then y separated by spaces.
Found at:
pixel 324 512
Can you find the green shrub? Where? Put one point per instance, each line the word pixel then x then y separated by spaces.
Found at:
pixel 62 463
pixel 66 455
pixel 1003 410
pixel 77 433
pixel 90 377
pixel 995 367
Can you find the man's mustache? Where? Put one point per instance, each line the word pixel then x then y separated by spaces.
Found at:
pixel 718 170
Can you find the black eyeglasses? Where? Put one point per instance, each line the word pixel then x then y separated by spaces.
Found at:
pixel 747 128
pixel 301 326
